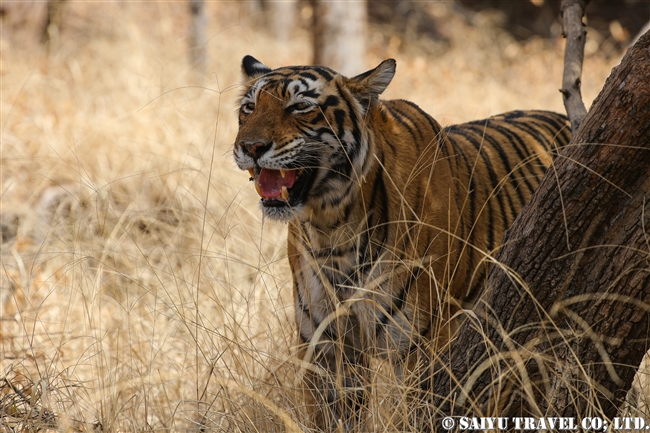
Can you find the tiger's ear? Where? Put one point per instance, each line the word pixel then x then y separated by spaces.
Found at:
pixel 374 81
pixel 253 68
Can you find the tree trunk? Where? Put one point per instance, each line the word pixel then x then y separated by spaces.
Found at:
pixel 197 39
pixel 562 325
pixel 340 35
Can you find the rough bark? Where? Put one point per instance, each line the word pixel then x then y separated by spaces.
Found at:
pixel 198 39
pixel 340 35
pixel 576 36
pixel 562 325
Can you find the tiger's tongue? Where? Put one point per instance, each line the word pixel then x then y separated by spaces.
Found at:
pixel 270 182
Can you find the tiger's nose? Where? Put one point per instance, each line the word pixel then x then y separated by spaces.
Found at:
pixel 255 148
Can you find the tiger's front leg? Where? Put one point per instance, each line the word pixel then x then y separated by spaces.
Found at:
pixel 335 386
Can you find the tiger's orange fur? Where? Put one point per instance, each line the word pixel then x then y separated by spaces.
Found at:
pixel 391 217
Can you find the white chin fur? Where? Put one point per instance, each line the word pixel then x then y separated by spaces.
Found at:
pixel 284 213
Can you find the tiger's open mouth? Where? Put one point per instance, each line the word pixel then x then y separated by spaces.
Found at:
pixel 278 187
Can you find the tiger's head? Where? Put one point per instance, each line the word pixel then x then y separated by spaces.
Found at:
pixel 303 134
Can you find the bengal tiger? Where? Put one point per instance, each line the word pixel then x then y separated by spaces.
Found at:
pixel 391 218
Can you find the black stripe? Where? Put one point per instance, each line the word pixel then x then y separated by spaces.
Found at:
pixel 317 119
pixel 509 173
pixel 356 132
pixel 398 117
pixel 330 101
pixel 378 203
pixel 435 128
pixel 327 73
pixel 308 75
pixel 556 120
pixel 529 170
pixel 466 133
pixel 408 121
pixel 285 86
pixel 522 130
pixel 471 188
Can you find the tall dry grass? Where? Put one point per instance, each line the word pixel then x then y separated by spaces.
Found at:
pixel 140 289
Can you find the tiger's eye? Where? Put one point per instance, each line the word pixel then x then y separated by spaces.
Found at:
pixel 298 106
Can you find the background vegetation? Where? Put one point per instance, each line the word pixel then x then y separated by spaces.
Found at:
pixel 139 287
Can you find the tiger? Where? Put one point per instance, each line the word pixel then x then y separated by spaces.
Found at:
pixel 392 219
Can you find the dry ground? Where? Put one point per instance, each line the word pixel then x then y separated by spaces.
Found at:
pixel 139 288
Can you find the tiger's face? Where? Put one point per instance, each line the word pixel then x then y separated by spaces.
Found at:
pixel 302 134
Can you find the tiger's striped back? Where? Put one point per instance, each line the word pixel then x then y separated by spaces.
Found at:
pixel 503 159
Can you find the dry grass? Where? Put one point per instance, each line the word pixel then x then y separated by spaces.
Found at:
pixel 140 289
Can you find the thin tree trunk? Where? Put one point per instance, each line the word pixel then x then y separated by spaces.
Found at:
pixel 340 35
pixel 52 26
pixel 563 323
pixel 576 36
pixel 283 19
pixel 197 39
